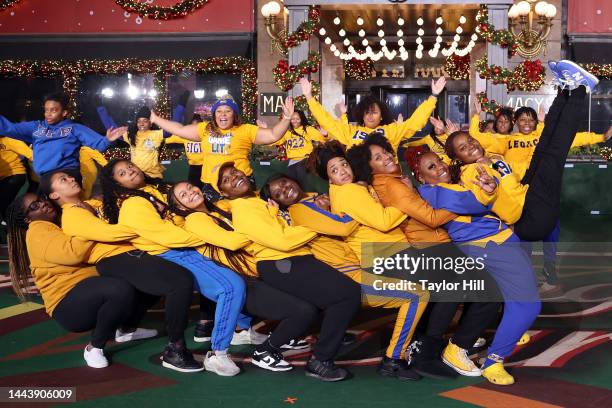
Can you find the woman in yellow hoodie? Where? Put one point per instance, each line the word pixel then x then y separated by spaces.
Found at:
pixel 12 170
pixel 72 291
pixel 117 258
pixel 371 115
pixel 133 203
pixel 285 263
pixel 528 200
pixel 226 246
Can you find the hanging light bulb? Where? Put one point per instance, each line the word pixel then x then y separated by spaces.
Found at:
pixel 400 42
pixel 456 38
pixel 459 30
pixel 328 41
pixel 438 39
pixel 419 40
pixel 359 21
pixel 400 21
pixel 474 37
pixel 346 42
pixel 439 20
pixel 364 42
pixel 337 53
pixel 322 31
pixel 381 33
pixel 439 31
pixel 337 20
pixel 383 43
pixel 379 22
pixel 342 33
pixel 332 47
pixel 361 33
pixel 462 20
pixel 400 33
pixel 420 21
pixel 421 32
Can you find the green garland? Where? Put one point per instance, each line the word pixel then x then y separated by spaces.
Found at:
pixel 487 31
pixel 73 71
pixel 4 4
pixel 527 76
pixel 303 33
pixel 181 9
pixel 601 71
pixel 285 75
pixel 489 106
pixel 457 67
pixel 359 70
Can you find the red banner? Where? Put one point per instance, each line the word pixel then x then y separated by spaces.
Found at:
pixel 107 17
pixel 589 16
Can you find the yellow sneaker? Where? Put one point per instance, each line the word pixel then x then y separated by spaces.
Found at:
pixel 497 374
pixel 525 338
pixel 456 358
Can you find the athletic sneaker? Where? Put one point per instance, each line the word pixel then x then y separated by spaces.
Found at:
pixel 480 342
pixel 456 358
pixel 221 363
pixel 574 75
pixel 180 359
pixel 248 337
pixel 294 344
pixel 94 357
pixel 548 291
pixel 558 79
pixel 397 368
pixel 497 374
pixel 270 360
pixel 325 370
pixel 138 334
pixel 203 331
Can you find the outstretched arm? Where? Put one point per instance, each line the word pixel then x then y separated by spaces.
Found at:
pixel 189 132
pixel 269 136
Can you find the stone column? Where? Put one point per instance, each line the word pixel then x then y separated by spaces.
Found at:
pixel 297 15
pixel 496 55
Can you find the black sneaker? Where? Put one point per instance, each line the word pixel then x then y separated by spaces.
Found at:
pixel 325 370
pixel 349 338
pixel 180 359
pixel 294 344
pixel 424 357
pixel 270 360
pixel 203 331
pixel 397 368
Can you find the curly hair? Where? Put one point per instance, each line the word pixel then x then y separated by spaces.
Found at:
pixel 455 166
pixel 323 153
pixel 236 259
pixel 359 156
pixel 113 194
pixel 366 104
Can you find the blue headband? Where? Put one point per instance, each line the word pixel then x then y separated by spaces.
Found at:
pixel 226 102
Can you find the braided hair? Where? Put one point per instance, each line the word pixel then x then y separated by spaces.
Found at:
pixel 114 193
pixel 236 259
pixel 19 261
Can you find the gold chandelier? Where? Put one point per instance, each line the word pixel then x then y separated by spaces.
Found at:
pixel 530 41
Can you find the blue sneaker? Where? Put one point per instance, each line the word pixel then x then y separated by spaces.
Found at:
pixel 558 79
pixel 574 75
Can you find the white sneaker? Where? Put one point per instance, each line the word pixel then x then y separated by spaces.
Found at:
pixel 221 364
pixel 138 334
pixel 94 357
pixel 248 337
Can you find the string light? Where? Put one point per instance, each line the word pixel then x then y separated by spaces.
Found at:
pixel 337 20
pixel 346 42
pixel 381 33
pixel 342 33
pixel 359 21
pixel 322 31
pixel 361 33
pixel 379 22
pixel 400 21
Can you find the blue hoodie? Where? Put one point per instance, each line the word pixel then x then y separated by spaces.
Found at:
pixel 54 146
